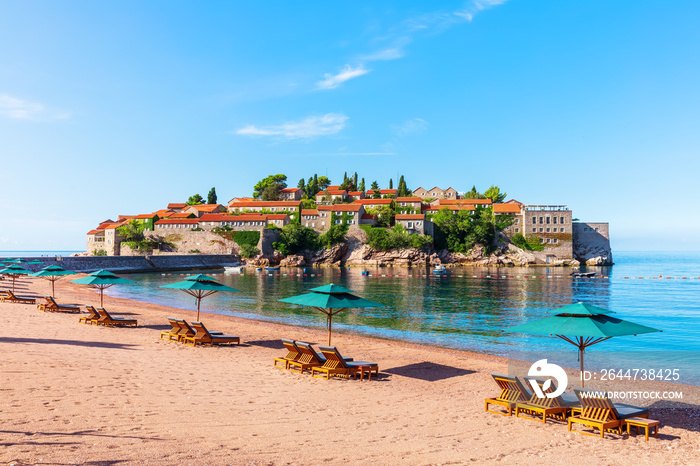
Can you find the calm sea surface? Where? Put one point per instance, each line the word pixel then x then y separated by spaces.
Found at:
pixel 464 312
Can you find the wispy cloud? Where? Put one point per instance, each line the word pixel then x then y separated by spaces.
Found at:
pixel 308 128
pixel 331 81
pixel 412 126
pixel 18 109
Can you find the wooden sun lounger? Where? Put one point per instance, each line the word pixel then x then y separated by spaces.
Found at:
pixel 337 365
pixel 186 330
pixel 557 407
pixel 53 306
pixel 174 332
pixel 205 337
pixel 92 318
pixel 309 358
pixel 9 296
pixel 512 392
pixel 293 354
pixel 108 321
pixel 600 413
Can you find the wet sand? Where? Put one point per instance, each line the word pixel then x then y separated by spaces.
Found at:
pixel 82 394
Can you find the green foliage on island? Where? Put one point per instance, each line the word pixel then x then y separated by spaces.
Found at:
pixel 99 252
pixel 494 193
pixel 336 233
pixel 461 230
pixel 295 238
pixel 195 199
pixel 211 197
pixel 247 251
pixel 268 189
pixel 386 239
pixel 530 243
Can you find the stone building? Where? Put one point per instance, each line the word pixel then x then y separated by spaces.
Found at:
pixel 328 196
pixel 412 202
pixel 415 224
pixel 176 224
pixel 435 193
pixel 348 213
pixel 552 224
pixel 291 194
pixel 202 209
pixel 243 222
pixel 289 207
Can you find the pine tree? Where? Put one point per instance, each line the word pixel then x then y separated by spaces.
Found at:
pixel 301 184
pixel 402 189
pixel 211 197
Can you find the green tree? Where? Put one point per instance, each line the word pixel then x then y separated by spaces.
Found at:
pixel 335 234
pixel 391 183
pixel 301 184
pixel 271 193
pixel 278 182
pixel 131 231
pixel 473 194
pixel 295 238
pixel 211 197
pixel 494 193
pixel 347 185
pixel 384 215
pixel 402 188
pixel 459 231
pixel 354 180
pixel 308 203
pixel 195 199
pixel 375 190
pixel 323 182
pixel 361 187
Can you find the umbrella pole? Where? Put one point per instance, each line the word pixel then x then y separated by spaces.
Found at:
pixel 53 290
pixel 199 300
pixel 330 321
pixel 102 290
pixel 583 382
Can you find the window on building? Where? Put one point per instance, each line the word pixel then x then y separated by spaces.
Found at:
pixel 554 220
pixel 534 230
pixel 562 220
pixel 541 220
pixel 596 229
pixel 547 220
pixel 541 229
pixel 517 220
pixel 555 240
pixel 549 240
pixel 547 230
pixel 516 230
pixel 585 229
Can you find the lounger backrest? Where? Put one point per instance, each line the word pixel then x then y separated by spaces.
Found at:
pixel 51 301
pixel 103 314
pixel 292 350
pixel 596 405
pixel 545 402
pixel 175 326
pixel 93 312
pixel 11 295
pixel 106 314
pixel 511 388
pixel 308 355
pixel 187 329
pixel 333 357
pixel 200 328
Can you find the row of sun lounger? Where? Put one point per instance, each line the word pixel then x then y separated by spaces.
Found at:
pixel 8 296
pixel 50 304
pixel 301 356
pixel 196 334
pixel 100 316
pixel 590 408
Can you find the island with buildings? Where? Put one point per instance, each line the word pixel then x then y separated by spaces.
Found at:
pixel 323 224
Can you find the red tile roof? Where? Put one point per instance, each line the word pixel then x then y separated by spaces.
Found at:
pixel 408 199
pixel 373 201
pixel 355 193
pixel 410 217
pixel 506 209
pixel 177 205
pixel 92 232
pixel 341 207
pixel 290 190
pixel 277 216
pixel 367 217
pixel 236 205
pixel 207 207
pixel 332 192
pixel 464 201
pixel 178 221
pixel 309 212
pixel 334 187
pixel 383 191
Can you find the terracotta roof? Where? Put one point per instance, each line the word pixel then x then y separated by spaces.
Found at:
pixel 355 193
pixel 264 204
pixel 373 201
pixel 206 207
pixel 177 205
pixel 144 216
pixel 180 215
pixel 333 192
pixel 464 201
pixel 92 232
pixel 163 212
pixel 290 190
pixel 217 218
pixel 277 216
pixel 383 191
pixel 334 187
pixel 341 207
pixel 309 212
pixel 506 209
pixel 410 217
pixel 178 221
pixel 437 208
pixel 367 217
pixel 408 199
pixel 244 199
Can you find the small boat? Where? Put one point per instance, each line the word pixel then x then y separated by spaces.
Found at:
pixel 440 270
pixel 270 269
pixel 258 269
pixel 365 273
pixel 236 269
pixel 582 274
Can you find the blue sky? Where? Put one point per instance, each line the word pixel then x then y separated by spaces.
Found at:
pixel 111 108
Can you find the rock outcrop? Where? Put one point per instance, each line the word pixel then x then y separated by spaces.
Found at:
pixel 594 254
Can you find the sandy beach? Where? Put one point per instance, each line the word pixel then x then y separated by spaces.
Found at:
pixel 82 394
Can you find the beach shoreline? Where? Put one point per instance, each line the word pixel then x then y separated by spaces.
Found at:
pixel 77 393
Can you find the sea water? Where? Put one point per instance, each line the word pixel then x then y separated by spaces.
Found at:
pixel 471 307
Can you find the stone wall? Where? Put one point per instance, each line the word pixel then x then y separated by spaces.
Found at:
pixel 592 243
pixel 185 241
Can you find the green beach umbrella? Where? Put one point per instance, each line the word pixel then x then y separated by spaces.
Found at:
pixel 52 273
pixel 101 279
pixel 585 326
pixel 34 264
pixel 200 286
pixel 14 271
pixel 331 300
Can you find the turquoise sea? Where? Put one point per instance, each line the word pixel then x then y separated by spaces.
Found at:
pixel 469 309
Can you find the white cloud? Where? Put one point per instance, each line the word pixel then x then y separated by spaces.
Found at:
pixel 412 126
pixel 308 128
pixel 348 72
pixel 18 109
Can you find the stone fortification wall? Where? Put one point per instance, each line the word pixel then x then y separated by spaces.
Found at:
pixel 139 263
pixel 187 241
pixel 592 243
